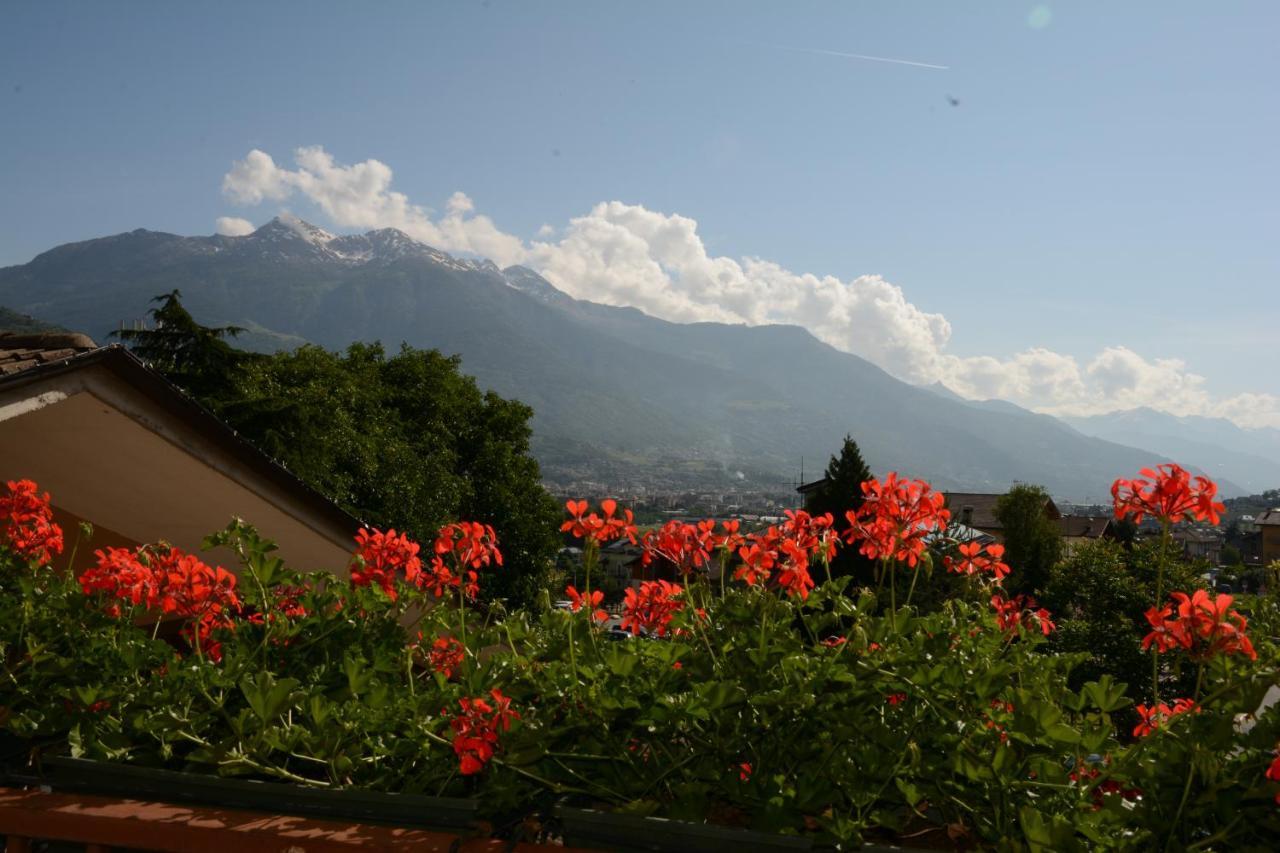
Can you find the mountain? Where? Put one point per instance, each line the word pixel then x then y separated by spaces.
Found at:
pixel 1249 457
pixel 12 321
pixel 619 396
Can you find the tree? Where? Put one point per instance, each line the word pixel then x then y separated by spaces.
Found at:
pixel 197 358
pixel 841 490
pixel 1098 604
pixel 406 441
pixel 1032 540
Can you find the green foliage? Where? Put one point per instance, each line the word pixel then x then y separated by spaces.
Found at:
pixel 1032 541
pixel 939 723
pixel 406 442
pixel 1098 605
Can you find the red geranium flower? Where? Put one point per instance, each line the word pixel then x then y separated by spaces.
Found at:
pixel 470 545
pixel 1168 493
pixel 783 553
pixel 475 730
pixel 382 558
pixel 758 559
pixel 727 539
pixel 1157 715
pixel 446 655
pixel 976 558
pixel 895 518
pixel 578 600
pixel 176 583
pixel 1204 626
pixel 28 522
pixel 651 607
pixel 595 529
pixel 686 546
pixel 744 771
pixel 1021 612
pixel 1273 772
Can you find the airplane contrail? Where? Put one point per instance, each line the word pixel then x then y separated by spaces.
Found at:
pixel 825 52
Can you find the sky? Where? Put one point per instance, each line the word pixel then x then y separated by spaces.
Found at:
pixel 1068 205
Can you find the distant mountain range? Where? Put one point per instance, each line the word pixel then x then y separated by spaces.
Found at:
pixel 619 396
pixel 1248 457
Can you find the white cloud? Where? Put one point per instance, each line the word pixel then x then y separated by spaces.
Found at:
pixel 625 254
pixel 233 226
pixel 360 196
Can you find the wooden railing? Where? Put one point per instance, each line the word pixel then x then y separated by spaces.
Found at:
pixel 103 823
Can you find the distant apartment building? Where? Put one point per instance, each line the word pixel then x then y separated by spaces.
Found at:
pixel 1269 534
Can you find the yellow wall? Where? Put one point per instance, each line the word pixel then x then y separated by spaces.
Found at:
pixel 1270 543
pixel 77 553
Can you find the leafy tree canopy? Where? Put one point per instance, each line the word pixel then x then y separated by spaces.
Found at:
pixel 1032 540
pixel 405 441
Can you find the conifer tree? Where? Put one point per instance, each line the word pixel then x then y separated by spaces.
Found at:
pixel 841 490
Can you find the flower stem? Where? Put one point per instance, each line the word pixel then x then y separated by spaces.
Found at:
pixel 1155 648
pixel 1191 769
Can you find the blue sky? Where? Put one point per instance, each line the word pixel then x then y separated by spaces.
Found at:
pixel 1108 178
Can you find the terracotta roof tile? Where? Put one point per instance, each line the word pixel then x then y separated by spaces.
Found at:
pixel 19 352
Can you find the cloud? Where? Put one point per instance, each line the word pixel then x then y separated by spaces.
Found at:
pixel 626 254
pixel 233 226
pixel 360 196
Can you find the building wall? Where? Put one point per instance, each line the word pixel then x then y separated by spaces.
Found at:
pixel 77 554
pixel 1270 543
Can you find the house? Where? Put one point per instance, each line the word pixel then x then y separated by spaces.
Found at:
pixel 1078 529
pixel 616 559
pixel 978 510
pixel 1268 523
pixel 806 489
pixel 118 446
pixel 1199 544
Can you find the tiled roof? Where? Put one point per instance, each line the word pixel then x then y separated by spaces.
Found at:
pixel 983 506
pixel 19 352
pixel 1083 526
pixel 1270 517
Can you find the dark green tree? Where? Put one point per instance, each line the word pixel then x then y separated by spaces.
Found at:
pixel 197 358
pixel 841 490
pixel 405 441
pixel 1032 540
pixel 1098 605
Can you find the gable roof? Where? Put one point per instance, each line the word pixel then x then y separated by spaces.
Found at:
pixel 1084 526
pixel 806 488
pixel 1269 517
pixel 980 507
pixel 983 506
pixel 48 371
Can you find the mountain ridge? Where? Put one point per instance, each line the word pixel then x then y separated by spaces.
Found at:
pixel 617 394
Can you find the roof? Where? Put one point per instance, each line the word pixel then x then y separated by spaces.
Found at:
pixel 983 506
pixel 23 351
pixel 806 488
pixel 51 354
pixel 1192 534
pixel 1269 517
pixel 1084 526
